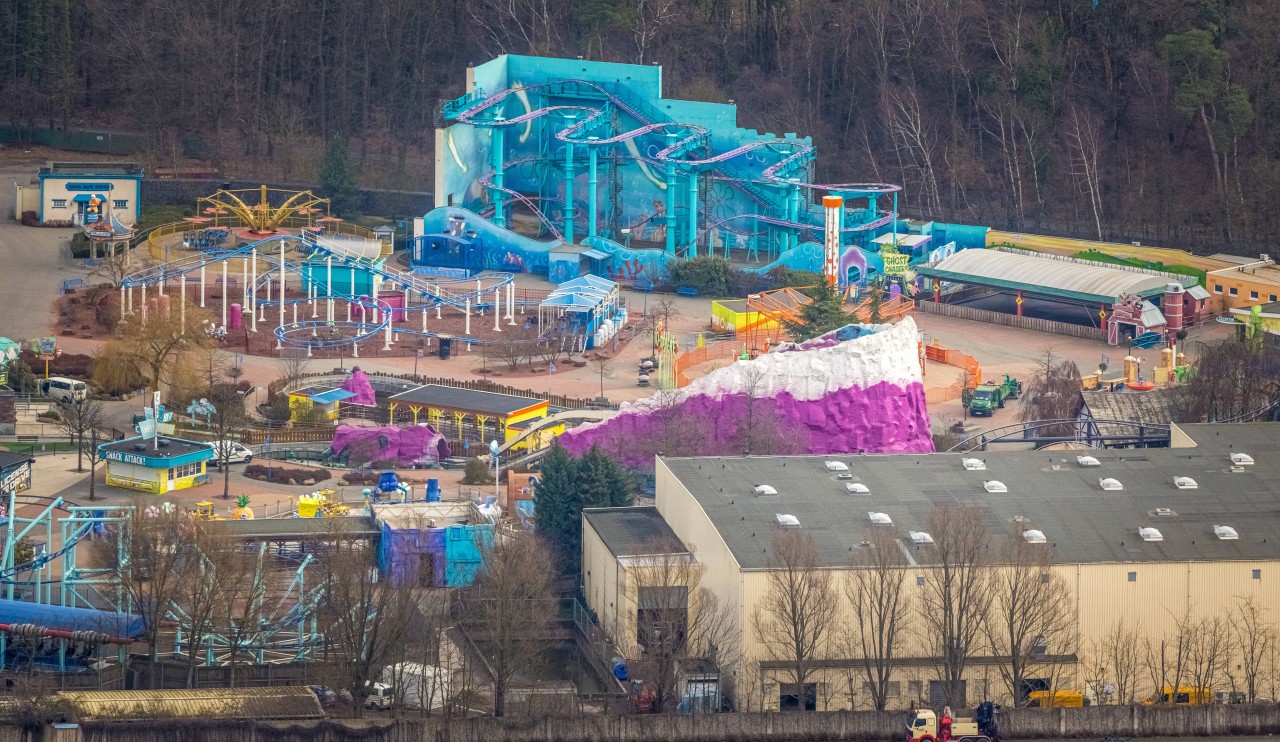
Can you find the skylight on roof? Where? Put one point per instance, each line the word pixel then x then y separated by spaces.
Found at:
pixel 1087 461
pixel 1241 459
pixel 857 488
pixel 1150 534
pixel 1185 483
pixel 920 538
pixel 837 466
pixel 1225 533
pixel 974 464
pixel 994 485
pixel 765 489
pixel 1110 484
pixel 879 519
pixel 787 520
pixel 1033 536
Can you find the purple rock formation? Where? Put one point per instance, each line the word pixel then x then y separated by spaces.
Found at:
pixel 405 447
pixel 359 384
pixel 884 418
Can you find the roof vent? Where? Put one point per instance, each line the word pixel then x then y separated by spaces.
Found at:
pixel 974 464
pixel 844 475
pixel 1150 534
pixel 857 488
pixel 1087 461
pixel 920 538
pixel 879 519
pixel 1110 484
pixel 787 521
pixel 994 485
pixel 837 466
pixel 1225 533
pixel 1185 483
pixel 765 489
pixel 1241 459
pixel 1034 536
pixel 1163 513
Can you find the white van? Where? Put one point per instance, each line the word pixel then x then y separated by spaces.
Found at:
pixel 64 391
pixel 235 453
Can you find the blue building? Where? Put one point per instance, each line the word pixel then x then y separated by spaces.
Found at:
pixel 81 192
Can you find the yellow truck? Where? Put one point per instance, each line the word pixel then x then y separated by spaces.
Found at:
pixel 1186 696
pixel 1056 699
pixel 925 726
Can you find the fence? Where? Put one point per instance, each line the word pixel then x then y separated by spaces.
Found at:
pixel 80 140
pixel 396 383
pixel 1011 320
pixel 710 352
pixel 1095 722
pixel 938 354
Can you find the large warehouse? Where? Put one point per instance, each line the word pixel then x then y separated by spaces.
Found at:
pixel 1143 539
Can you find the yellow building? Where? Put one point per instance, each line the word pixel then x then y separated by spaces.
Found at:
pixel 451 411
pixel 1146 540
pixel 1247 282
pixel 327 399
pixel 157 466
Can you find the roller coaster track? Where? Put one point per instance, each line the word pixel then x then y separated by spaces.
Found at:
pixel 695 137
pixel 1144 434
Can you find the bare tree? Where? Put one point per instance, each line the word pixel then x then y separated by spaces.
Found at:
pixel 226 413
pixel 1209 652
pixel 957 591
pixel 1095 672
pixel 1167 658
pixel 1254 637
pixel 77 420
pixel 509 609
pixel 604 368
pixel 760 429
pixel 115 267
pixel 293 363
pixel 881 612
pixel 680 623
pixel 1122 647
pixel 152 351
pixel 1085 139
pixel 658 316
pixel 145 557
pixel 365 617
pixel 1052 393
pixel 200 588
pixel 1030 618
pixel 795 619
pixel 674 433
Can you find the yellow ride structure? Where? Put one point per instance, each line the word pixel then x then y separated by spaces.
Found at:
pixel 262 217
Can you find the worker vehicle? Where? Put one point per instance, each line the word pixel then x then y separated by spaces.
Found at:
pixel 63 390
pixel 988 398
pixel 927 726
pixel 1056 699
pixel 1185 696
pixel 381 696
pixel 233 451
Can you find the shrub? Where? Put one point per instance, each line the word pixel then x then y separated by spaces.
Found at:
pixel 710 276
pixel 477 472
pixel 49 415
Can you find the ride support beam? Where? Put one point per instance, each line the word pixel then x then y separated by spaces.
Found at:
pixel 497 144
pixel 592 176
pixel 693 214
pixel 568 184
pixel 670 217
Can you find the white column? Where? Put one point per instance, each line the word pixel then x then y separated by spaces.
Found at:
pixel 224 294
pixel 424 317
pixel 281 269
pixel 348 311
pixel 182 301
pixel 511 301
pixel 390 315
pixel 497 309
pixel 251 295
pixel 161 287
pixel 123 310
pixel 328 260
pixel 437 309
pixel 467 311
pixel 129 296
pixel 144 304
pixel 295 313
pixel 202 266
pixel 355 349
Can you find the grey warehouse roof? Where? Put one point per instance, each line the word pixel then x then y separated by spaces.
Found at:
pixel 1049 489
pixel 470 400
pixel 633 531
pixel 1049 276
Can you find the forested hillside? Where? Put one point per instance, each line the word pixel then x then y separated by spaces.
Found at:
pixel 1127 119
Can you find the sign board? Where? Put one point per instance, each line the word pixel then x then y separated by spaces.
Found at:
pixel 127 458
pixel 73 186
pixel 17 480
pixel 895 263
pixel 146 428
pixel 47 346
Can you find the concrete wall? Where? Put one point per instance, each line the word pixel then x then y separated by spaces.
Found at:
pixel 830 727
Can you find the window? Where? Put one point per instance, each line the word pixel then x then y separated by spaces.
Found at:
pixel 915 688
pixel 792 698
pixel 920 581
pixel 1133 577
pixel 186 470
pixel 1271 297
pixel 1257 574
pixel 59 203
pixel 120 203
pixel 1217 288
pixel 1234 291
pixel 1253 296
pixel 892 690
pixel 427 570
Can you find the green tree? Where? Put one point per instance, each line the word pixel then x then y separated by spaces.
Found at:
pixel 824 314
pixel 567 486
pixel 338 179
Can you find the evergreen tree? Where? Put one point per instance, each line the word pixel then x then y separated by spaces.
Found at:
pixel 602 483
pixel 558 507
pixel 338 179
pixel 824 314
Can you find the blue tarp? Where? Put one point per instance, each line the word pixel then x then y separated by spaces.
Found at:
pixel 63 618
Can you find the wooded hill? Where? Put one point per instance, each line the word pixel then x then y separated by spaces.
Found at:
pixel 1130 120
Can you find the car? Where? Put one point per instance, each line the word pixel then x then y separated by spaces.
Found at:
pixel 380 696
pixel 235 453
pixel 327 695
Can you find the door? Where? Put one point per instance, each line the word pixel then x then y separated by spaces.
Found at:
pixel 938 695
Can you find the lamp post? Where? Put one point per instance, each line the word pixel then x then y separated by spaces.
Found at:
pixel 493 451
pixel 416 356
